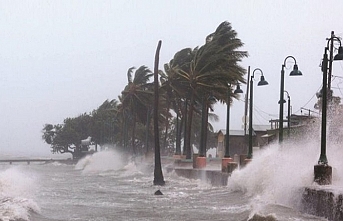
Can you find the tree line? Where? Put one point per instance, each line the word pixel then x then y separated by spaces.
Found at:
pixel 190 84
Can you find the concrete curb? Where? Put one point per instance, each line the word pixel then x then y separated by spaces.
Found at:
pixel 213 177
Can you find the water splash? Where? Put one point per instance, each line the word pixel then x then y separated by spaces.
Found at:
pixel 100 162
pixel 16 194
pixel 106 162
pixel 278 174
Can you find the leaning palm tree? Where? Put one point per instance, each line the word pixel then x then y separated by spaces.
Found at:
pixel 135 96
pixel 171 98
pixel 176 90
pixel 211 69
pixel 158 175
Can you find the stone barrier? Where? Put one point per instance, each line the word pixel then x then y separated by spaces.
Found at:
pixel 323 202
pixel 214 177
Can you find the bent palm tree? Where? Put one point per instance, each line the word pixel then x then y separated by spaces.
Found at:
pixel 135 97
pixel 210 71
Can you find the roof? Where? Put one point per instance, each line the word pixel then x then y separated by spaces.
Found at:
pixel 261 127
pixel 268 135
pixel 234 132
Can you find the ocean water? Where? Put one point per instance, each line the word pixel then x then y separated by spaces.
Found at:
pixel 105 187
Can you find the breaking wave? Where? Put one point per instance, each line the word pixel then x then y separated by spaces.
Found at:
pixel 100 162
pixel 16 194
pixel 277 176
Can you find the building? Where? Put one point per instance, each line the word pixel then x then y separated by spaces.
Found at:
pixel 239 142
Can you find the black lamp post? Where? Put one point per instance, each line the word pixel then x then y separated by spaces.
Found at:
pixel 289 114
pixel 337 57
pixel 294 72
pixel 322 171
pixel 227 143
pixel 262 82
pixel 326 87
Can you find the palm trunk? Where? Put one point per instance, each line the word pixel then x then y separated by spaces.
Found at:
pixel 178 135
pixel 158 175
pixel 203 136
pixel 134 135
pixel 166 125
pixel 184 123
pixel 189 128
pixel 125 135
pixel 147 132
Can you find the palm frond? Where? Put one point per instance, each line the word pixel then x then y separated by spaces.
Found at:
pixel 129 74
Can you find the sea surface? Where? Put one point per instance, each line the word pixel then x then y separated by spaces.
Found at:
pixel 105 187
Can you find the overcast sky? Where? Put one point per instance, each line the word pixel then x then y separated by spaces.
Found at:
pixel 62 58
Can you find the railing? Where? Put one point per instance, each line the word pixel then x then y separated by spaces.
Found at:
pixel 28 161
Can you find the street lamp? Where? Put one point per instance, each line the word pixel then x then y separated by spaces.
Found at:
pixel 326 86
pixel 288 113
pixel 262 82
pixel 227 159
pixel 227 143
pixel 322 171
pixel 294 72
pixel 338 56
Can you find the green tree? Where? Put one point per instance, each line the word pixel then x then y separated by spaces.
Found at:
pixel 175 91
pixel 66 137
pixel 211 69
pixel 134 99
pixel 105 128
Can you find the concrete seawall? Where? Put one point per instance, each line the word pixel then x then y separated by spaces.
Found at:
pixel 214 177
pixel 316 201
pixel 323 202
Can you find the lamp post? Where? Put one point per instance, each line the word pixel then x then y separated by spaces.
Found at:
pixel 322 171
pixel 288 113
pixel 337 57
pixel 227 159
pixel 262 82
pixel 227 143
pixel 294 72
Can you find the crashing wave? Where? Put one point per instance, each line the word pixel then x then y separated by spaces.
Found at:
pixel 16 193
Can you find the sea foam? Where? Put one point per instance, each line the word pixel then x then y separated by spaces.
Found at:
pixel 100 162
pixel 278 174
pixel 17 190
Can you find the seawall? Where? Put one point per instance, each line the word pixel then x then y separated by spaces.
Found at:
pixel 320 201
pixel 214 177
pixel 323 201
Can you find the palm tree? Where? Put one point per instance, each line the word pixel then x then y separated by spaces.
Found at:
pixel 176 91
pixel 171 98
pixel 135 97
pixel 210 69
pixel 158 175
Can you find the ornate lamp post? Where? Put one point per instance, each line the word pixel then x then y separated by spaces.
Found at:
pixel 227 159
pixel 262 82
pixel 294 72
pixel 322 171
